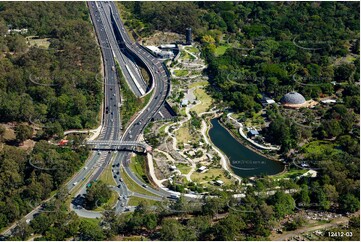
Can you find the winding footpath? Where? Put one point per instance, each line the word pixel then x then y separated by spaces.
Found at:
pixel 240 130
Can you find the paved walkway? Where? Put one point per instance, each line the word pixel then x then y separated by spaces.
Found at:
pixel 224 161
pixel 240 130
pixel 94 135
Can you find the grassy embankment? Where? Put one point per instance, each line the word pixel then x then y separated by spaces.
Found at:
pixel 180 73
pixel 130 103
pixel 134 187
pixel 138 166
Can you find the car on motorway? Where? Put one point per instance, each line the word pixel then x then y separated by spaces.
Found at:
pixel 115 176
pixel 145 186
pixel 75 183
pixel 121 180
pixel 172 196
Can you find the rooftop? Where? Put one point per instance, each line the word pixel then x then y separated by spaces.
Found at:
pixel 293 98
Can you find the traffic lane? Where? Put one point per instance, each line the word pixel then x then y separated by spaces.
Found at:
pixel 111 102
pixel 124 59
pixel 129 59
pixel 152 106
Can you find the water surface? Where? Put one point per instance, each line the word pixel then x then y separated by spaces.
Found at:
pixel 244 162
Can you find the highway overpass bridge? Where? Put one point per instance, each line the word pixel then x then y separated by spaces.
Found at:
pixel 118 145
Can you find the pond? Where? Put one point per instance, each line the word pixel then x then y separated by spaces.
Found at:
pixel 243 161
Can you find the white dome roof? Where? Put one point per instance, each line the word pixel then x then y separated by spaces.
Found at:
pixel 293 98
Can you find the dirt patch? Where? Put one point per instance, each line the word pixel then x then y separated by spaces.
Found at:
pixel 161 38
pixel 28 145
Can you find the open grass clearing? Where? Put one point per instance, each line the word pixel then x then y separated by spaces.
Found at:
pixel 9 134
pixel 162 129
pixel 206 101
pixel 134 187
pixel 220 50
pixel 192 49
pixel 180 73
pixel 183 134
pixel 185 169
pixel 210 175
pixel 41 43
pixel 137 165
pixel 93 221
pixel 107 177
pixel 293 173
pixel 135 201
pixel 198 84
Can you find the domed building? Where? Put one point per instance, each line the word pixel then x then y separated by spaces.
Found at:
pixel 293 100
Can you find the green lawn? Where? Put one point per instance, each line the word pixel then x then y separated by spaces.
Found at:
pixel 135 201
pixel 185 169
pixel 131 104
pixel 183 134
pixel 198 84
pixel 90 220
pixel 180 73
pixel 107 177
pixel 220 50
pixel 137 165
pixel 206 101
pixel 161 130
pixel 41 43
pixel 209 175
pixel 289 174
pixel 134 187
pixel 192 49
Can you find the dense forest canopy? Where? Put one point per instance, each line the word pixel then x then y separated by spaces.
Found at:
pixel 50 89
pixel 55 85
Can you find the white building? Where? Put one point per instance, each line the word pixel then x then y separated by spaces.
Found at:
pixel 19 31
pixel 160 53
pixel 202 168
pixel 328 101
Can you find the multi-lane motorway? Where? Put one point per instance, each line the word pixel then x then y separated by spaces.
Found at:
pixel 109 28
pixel 126 61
